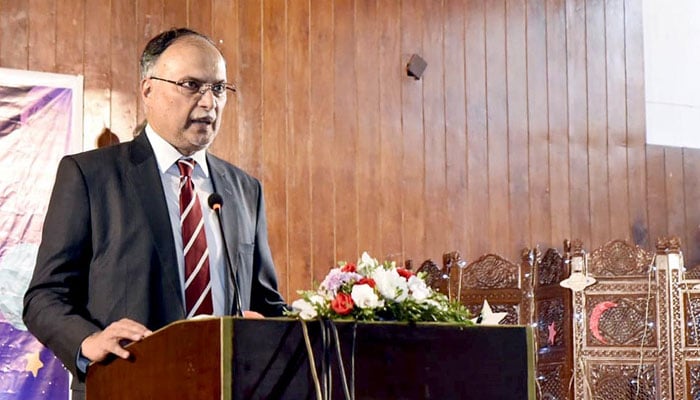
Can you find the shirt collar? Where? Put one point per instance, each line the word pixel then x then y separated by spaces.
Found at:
pixel 167 155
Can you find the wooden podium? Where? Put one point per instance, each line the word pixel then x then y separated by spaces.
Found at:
pixel 235 358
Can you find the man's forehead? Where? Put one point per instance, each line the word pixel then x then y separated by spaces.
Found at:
pixel 192 53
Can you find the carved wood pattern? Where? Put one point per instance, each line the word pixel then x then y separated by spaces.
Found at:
pixel 550 324
pixel 551 270
pixel 550 384
pixel 491 272
pixel 620 381
pixel 620 321
pixel 618 259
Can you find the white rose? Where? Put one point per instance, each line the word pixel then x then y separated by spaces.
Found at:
pixel 391 285
pixel 419 290
pixel 364 297
pixel 307 310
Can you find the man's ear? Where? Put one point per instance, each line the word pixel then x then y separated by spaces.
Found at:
pixel 145 88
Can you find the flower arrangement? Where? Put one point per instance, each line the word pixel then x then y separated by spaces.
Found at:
pixel 373 291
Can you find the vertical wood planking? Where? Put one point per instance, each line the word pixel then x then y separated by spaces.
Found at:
pixel 516 78
pixel 274 126
pixel 149 20
pixel 368 137
pixel 691 166
pixel 413 180
pixel 578 182
pixel 321 131
pixel 656 193
pixel 345 127
pixel 249 95
pixel 558 122
pixel 497 76
pixel 199 15
pixel 597 126
pixel 175 13
pixel 70 37
pixel 224 15
pixel 675 193
pixel 617 119
pixel 434 196
pixel 391 74
pixel 300 206
pixel 538 138
pixel 635 119
pixel 497 128
pixel 477 146
pixel 124 67
pixel 455 127
pixel 14 34
pixel 42 35
pixel 98 72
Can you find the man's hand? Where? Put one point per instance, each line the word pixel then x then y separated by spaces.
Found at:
pixel 252 315
pixel 97 346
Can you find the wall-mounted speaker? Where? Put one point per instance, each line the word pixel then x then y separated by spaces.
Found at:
pixel 416 66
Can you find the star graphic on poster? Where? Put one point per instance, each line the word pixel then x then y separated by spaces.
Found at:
pixel 34 364
pixel 487 316
pixel 552 330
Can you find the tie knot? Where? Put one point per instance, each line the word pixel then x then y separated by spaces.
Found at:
pixel 186 166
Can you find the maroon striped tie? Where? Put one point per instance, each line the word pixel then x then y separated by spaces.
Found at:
pixel 197 282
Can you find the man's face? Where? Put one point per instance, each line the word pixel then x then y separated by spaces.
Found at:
pixel 189 122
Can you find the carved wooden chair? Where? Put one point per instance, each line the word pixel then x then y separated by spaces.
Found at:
pixel 620 325
pixel 553 324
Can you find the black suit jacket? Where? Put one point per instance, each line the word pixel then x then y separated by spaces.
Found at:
pixel 107 249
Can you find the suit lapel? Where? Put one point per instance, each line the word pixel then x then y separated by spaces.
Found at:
pixel 223 185
pixel 145 177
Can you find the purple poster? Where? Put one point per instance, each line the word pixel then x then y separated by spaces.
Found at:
pixel 36 124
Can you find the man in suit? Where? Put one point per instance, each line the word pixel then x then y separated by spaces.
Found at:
pixel 112 265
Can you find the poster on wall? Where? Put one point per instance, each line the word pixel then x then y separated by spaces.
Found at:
pixel 40 121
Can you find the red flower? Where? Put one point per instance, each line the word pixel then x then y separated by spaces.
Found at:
pixel 349 268
pixel 342 304
pixel 367 281
pixel 404 272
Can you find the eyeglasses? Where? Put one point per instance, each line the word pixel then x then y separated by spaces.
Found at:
pixel 190 87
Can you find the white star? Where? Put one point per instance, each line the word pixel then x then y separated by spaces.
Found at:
pixel 488 317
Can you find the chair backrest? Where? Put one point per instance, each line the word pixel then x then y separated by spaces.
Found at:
pixel 621 325
pixel 553 324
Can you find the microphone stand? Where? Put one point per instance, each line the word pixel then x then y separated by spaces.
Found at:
pixel 216 206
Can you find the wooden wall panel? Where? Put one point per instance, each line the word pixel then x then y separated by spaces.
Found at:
pixel 42 35
pixel 274 126
pixel 577 101
pixel 497 127
pixel 413 163
pixel 367 119
pixel 527 127
pixel 455 127
pixel 516 77
pixel 14 34
pixel 435 184
pixel 538 115
pixel 557 122
pixel 477 141
pixel 345 137
pixel 389 63
pixel 300 206
pixel 323 250
pixel 636 135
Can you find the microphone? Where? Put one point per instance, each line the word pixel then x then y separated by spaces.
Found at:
pixel 215 202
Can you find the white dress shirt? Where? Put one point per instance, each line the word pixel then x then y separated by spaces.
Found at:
pixel 166 157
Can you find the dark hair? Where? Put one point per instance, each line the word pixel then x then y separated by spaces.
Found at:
pixel 157 45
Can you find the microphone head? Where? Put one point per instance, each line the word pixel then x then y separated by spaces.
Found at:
pixel 215 201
